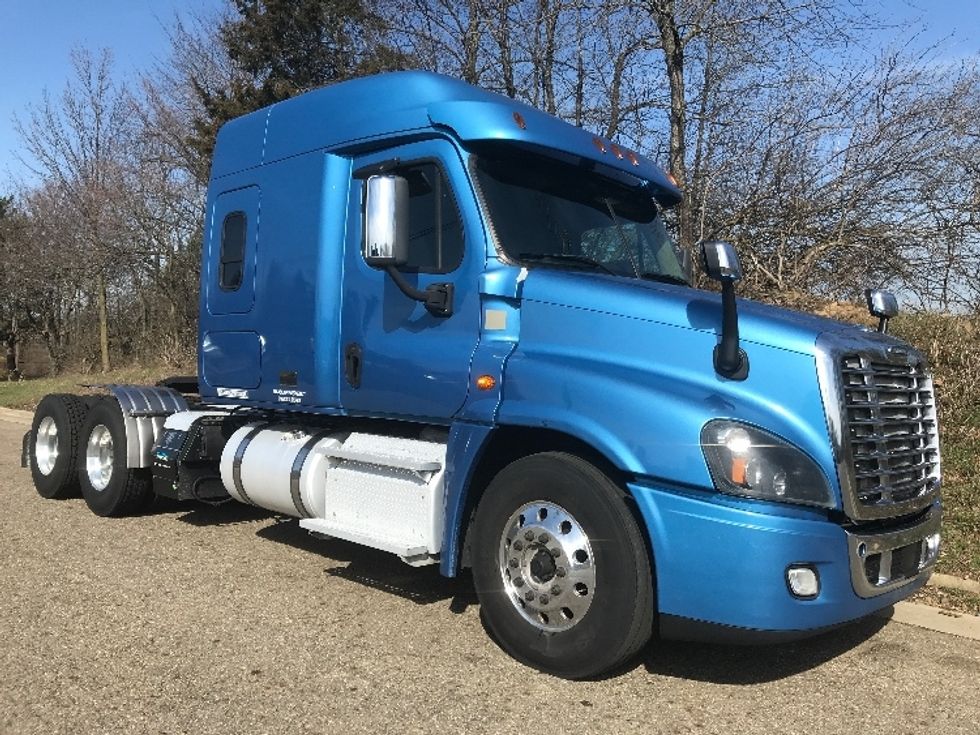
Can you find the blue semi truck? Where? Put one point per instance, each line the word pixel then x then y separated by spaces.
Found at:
pixel 438 322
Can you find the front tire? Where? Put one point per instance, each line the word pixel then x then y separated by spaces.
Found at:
pixel 109 487
pixel 560 566
pixel 54 445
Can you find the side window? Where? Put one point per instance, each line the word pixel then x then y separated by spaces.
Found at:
pixel 232 251
pixel 435 238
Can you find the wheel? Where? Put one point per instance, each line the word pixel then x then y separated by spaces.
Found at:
pixel 563 575
pixel 54 445
pixel 108 486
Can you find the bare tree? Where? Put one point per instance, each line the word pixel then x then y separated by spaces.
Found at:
pixel 76 143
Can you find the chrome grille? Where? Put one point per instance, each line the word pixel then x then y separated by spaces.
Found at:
pixel 890 433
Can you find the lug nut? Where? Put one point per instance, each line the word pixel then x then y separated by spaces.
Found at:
pixel 556 552
pixel 556 590
pixel 560 571
pixel 513 563
pixel 544 538
pixel 543 599
pixel 529 595
pixel 529 535
pixel 518 545
pixel 518 581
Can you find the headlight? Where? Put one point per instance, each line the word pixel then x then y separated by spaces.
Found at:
pixel 744 460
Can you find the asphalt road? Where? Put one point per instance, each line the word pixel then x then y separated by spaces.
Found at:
pixel 228 621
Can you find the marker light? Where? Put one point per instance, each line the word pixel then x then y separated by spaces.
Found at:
pixel 744 460
pixel 597 142
pixel 634 159
pixel 672 179
pixel 616 150
pixel 486 382
pixel 519 119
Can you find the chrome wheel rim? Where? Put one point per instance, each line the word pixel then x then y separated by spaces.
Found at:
pixel 99 457
pixel 547 567
pixel 46 445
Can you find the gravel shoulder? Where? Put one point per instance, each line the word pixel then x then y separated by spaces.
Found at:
pixel 215 620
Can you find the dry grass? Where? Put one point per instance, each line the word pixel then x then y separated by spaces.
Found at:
pixel 956 600
pixel 26 394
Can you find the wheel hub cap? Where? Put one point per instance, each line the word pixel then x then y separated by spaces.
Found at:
pixel 99 457
pixel 46 445
pixel 546 564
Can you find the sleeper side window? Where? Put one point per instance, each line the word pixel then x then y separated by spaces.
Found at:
pixel 435 237
pixel 232 258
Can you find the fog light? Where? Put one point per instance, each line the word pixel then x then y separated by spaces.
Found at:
pixel 930 550
pixel 803 582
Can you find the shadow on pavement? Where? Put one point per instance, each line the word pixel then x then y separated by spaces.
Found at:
pixel 225 514
pixel 377 569
pixel 720 664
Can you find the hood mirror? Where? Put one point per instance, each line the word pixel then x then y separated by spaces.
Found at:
pixel 721 264
pixel 883 305
pixel 721 261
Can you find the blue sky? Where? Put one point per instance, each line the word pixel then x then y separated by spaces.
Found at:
pixel 36 37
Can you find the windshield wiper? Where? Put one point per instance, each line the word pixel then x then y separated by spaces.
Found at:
pixel 663 278
pixel 560 257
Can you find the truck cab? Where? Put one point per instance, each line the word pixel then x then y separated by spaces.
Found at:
pixel 439 322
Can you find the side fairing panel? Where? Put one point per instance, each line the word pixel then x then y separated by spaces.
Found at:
pixel 283 350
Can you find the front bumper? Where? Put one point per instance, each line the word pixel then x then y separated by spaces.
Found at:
pixel 724 564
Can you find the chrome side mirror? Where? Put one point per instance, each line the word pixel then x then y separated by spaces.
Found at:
pixel 721 261
pixel 883 305
pixel 386 221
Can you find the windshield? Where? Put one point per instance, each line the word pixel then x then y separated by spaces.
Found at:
pixel 546 212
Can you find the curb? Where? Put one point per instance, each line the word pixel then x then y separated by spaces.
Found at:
pixel 934 618
pixel 954 583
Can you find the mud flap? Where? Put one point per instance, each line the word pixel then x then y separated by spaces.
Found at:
pixel 25 457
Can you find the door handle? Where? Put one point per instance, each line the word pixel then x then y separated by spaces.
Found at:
pixel 353 361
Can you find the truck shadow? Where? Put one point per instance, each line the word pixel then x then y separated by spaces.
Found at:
pixel 713 663
pixel 368 567
pixel 743 665
pixel 225 514
pixel 377 569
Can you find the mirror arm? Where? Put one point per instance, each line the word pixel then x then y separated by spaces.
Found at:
pixel 730 360
pixel 437 297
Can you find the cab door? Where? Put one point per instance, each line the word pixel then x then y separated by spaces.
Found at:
pixel 398 359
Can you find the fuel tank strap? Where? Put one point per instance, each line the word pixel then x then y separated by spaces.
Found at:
pixel 297 470
pixel 236 465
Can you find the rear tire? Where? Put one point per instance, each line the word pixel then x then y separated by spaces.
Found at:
pixel 53 449
pixel 109 487
pixel 561 568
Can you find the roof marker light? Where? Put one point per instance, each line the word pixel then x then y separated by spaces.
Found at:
pixel 616 150
pixel 519 119
pixel 597 142
pixel 634 159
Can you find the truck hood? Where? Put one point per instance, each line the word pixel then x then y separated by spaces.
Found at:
pixel 678 306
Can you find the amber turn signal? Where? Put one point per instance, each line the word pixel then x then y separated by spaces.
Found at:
pixel 486 382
